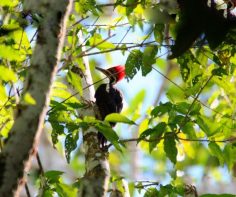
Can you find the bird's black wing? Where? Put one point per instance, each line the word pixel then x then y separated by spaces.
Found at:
pixel 105 101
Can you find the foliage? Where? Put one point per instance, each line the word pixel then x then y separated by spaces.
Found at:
pixel 192 125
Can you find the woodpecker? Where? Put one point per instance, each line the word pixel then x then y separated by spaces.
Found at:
pixel 108 98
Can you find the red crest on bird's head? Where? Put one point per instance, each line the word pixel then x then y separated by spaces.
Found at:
pixel 115 73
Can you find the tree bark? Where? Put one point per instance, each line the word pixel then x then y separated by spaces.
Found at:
pixel 29 119
pixel 96 178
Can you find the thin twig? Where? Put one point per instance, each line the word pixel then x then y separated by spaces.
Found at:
pixel 178 86
pixel 79 21
pixel 8 98
pixel 232 139
pixel 22 33
pixel 111 26
pixel 192 104
pixel 126 33
pixel 76 93
pixel 39 164
pixel 35 33
pixel 114 49
pixel 146 185
pixel 94 46
pixel 118 4
pixel 27 190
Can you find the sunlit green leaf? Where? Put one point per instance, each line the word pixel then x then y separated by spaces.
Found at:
pixel 8 3
pixel 229 155
pixel 53 176
pixel 83 6
pixel 175 94
pixel 66 190
pixel 109 134
pixel 216 151
pixel 209 127
pixel 75 80
pixel 188 129
pixel 3 95
pixel 7 74
pixel 131 5
pixel 10 53
pixel 28 99
pixel 97 41
pixel 115 117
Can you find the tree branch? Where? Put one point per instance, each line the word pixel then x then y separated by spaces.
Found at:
pixel 96 178
pixel 232 139
pixel 29 119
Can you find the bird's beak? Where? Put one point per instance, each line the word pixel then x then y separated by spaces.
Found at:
pixel 108 73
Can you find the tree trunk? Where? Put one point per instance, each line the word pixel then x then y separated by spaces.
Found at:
pixel 29 119
pixel 95 181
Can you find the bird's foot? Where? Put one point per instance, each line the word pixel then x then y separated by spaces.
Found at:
pixel 87 103
pixel 104 148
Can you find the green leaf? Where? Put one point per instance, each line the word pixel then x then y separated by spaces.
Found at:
pixel 158 131
pixel 64 190
pixel 60 116
pixel 149 59
pixel 70 144
pixel 193 90
pixel 185 61
pixel 75 80
pixel 3 95
pixel 61 93
pixel 97 41
pixel 161 109
pixel 133 63
pixel 131 5
pixel 57 105
pixel 166 190
pixel 7 74
pixel 146 133
pixel 28 99
pixel 208 126
pixel 151 192
pixel 53 176
pixel 11 54
pixel 174 94
pixel 83 6
pixel 115 117
pixel 217 195
pixel 158 32
pixel 8 3
pixel 57 129
pixel 229 153
pixel 109 134
pixel 170 147
pixel 183 108
pixel 188 129
pixel 216 151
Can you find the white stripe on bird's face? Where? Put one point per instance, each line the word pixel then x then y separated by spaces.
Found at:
pixel 108 88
